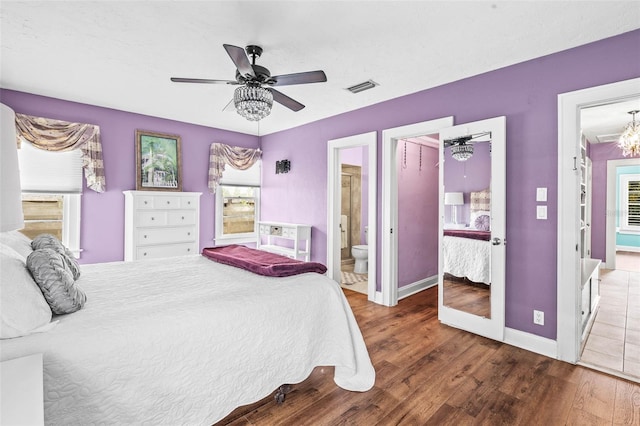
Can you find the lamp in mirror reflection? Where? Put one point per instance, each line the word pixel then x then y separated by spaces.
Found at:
pixel 454 199
pixel 283 166
pixel 629 141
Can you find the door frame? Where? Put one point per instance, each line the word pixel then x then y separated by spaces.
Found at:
pixel 390 138
pixel 334 146
pixel 568 263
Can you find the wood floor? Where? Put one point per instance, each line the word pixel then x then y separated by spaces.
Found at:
pixel 429 373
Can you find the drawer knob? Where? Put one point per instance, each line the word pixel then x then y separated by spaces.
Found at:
pixel 145 202
pixel 145 236
pixel 168 202
pixel 182 217
pixel 153 218
pixel 145 254
pixel 188 233
pixel 188 249
pixel 189 202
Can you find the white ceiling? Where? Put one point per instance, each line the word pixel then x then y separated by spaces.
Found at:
pixel 121 54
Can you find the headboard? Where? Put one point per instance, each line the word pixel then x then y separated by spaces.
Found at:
pixel 481 201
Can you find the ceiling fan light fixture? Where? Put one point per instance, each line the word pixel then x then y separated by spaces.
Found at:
pixel 253 102
pixel 462 152
pixel 629 141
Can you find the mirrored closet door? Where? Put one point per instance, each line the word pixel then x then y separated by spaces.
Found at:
pixel 472 227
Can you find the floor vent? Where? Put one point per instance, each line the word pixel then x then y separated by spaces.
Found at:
pixel 361 87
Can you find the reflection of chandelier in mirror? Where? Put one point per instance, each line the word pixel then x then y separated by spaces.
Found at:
pixel 462 152
pixel 629 141
pixel 253 102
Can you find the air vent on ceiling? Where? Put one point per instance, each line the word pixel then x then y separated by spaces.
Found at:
pixel 361 87
pixel 613 137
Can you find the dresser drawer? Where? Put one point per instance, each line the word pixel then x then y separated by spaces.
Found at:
pixel 166 235
pixel 182 217
pixel 144 202
pixel 170 250
pixel 152 218
pixel 188 202
pixel 166 202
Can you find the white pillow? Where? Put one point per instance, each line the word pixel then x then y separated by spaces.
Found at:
pixel 476 215
pixel 17 241
pixel 23 309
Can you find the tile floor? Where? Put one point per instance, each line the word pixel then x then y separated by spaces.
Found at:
pixel 360 287
pixel 614 341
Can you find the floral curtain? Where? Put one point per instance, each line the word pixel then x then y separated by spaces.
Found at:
pixel 238 158
pixel 56 135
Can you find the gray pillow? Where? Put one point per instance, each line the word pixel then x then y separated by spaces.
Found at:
pixel 50 241
pixel 52 274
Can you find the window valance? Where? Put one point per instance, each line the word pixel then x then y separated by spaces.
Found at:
pixel 238 158
pixel 57 135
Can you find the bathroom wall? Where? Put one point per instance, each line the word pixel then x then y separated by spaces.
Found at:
pixel 417 212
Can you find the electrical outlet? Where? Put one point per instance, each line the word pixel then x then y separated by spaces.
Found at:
pixel 538 317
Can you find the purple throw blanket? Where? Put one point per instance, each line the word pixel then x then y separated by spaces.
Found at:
pixel 261 262
pixel 464 233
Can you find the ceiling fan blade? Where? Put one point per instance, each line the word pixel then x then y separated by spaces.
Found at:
pixel 201 80
pixel 283 99
pixel 299 78
pixel 240 59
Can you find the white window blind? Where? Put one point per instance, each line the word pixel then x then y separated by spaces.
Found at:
pixel 49 172
pixel 249 177
pixel 630 197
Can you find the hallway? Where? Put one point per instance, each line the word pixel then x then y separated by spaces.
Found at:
pixel 613 345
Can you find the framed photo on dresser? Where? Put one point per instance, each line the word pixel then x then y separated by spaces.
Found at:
pixel 158 161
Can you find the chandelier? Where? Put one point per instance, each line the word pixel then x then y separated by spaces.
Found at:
pixel 461 152
pixel 253 102
pixel 629 141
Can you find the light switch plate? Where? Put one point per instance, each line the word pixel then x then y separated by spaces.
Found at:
pixel 541 212
pixel 541 194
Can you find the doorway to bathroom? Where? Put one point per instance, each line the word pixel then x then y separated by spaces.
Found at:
pixel 351 207
pixel 351 224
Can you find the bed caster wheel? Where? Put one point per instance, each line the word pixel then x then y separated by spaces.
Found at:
pixel 281 393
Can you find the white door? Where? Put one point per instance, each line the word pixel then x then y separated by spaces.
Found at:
pixel 473 267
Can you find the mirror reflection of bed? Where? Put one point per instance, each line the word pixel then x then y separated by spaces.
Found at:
pixel 467 231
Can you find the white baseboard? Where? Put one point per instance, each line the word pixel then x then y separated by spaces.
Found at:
pixel 413 288
pixel 531 342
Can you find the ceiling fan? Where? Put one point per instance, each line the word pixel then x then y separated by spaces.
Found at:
pixel 255 96
pixel 461 147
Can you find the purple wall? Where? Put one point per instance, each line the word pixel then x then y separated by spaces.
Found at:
pixel 417 213
pixel 600 153
pixel 102 226
pixel 467 176
pixel 527 94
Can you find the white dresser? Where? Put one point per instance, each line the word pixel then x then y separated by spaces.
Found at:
pixel 161 224
pixel 288 239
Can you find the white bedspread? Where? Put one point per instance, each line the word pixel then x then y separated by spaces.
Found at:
pixel 466 257
pixel 186 340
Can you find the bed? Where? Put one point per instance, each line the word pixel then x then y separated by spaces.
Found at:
pixel 467 252
pixel 186 340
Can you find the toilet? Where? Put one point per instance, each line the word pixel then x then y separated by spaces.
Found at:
pixel 361 254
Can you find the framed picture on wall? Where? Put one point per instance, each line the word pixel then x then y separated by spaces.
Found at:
pixel 158 162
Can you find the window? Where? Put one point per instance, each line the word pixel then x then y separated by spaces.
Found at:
pixel 630 203
pixel 51 190
pixel 238 205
